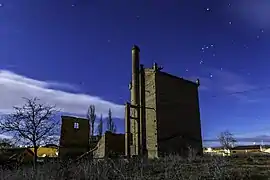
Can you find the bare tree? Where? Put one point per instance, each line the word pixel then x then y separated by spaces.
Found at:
pixel 100 126
pixel 111 126
pixel 31 124
pixel 91 116
pixel 227 139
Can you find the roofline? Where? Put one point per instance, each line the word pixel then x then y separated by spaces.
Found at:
pixel 176 77
pixel 74 117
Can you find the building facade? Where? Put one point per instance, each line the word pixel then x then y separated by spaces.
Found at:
pixel 74 139
pixel 164 114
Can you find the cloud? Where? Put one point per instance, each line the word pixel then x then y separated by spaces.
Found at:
pixel 259 138
pixel 264 138
pixel 64 86
pixel 227 83
pixel 230 82
pixel 2 136
pixel 14 86
pixel 256 13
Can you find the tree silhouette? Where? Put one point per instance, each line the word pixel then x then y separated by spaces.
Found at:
pixel 91 116
pixel 31 124
pixel 111 126
pixel 227 139
pixel 100 126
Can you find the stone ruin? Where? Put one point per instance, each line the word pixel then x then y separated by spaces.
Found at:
pixel 162 117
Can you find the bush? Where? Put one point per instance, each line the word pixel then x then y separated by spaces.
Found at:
pixel 170 167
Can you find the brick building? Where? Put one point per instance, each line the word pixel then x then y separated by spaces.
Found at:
pixel 74 139
pixel 168 118
pixel 110 145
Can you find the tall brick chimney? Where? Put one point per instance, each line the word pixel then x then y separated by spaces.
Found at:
pixel 135 94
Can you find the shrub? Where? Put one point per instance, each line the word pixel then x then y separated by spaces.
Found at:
pixel 170 167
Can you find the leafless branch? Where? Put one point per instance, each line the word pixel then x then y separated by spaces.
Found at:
pixel 32 123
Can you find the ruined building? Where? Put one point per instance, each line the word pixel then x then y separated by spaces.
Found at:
pixel 163 116
pixel 74 139
pixel 110 145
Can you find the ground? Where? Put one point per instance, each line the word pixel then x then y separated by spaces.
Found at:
pixel 170 167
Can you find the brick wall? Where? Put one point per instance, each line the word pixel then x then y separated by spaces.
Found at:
pixel 74 142
pixel 150 102
pixel 172 115
pixel 115 144
pixel 100 152
pixel 178 114
pixel 110 144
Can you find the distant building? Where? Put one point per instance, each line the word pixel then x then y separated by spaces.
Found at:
pixel 246 149
pixel 46 152
pixel 238 150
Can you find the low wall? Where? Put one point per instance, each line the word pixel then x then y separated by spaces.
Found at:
pixel 110 144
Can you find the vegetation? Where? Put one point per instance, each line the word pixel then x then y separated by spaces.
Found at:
pixel 111 126
pixel 100 126
pixel 31 124
pixel 6 143
pixel 170 167
pixel 227 139
pixel 91 116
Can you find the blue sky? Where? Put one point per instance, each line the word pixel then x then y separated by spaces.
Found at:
pixel 76 53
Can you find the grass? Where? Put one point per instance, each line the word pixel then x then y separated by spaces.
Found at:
pixel 170 167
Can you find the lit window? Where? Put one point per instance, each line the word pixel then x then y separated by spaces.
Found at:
pixel 76 125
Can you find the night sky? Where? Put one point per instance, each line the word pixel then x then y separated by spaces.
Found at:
pixel 77 53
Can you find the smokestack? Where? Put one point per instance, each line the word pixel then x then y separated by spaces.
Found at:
pixel 127 124
pixel 135 91
pixel 135 70
pixel 135 76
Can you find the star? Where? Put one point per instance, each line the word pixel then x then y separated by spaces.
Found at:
pixel 201 61
pixel 214 55
pixel 109 41
pixel 207 9
pixel 262 30
pixel 73 5
pixel 186 70
pixel 230 22
pixel 221 69
pixel 211 75
pixel 1 5
pixel 258 37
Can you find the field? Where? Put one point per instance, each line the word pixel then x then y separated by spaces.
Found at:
pixel 171 167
